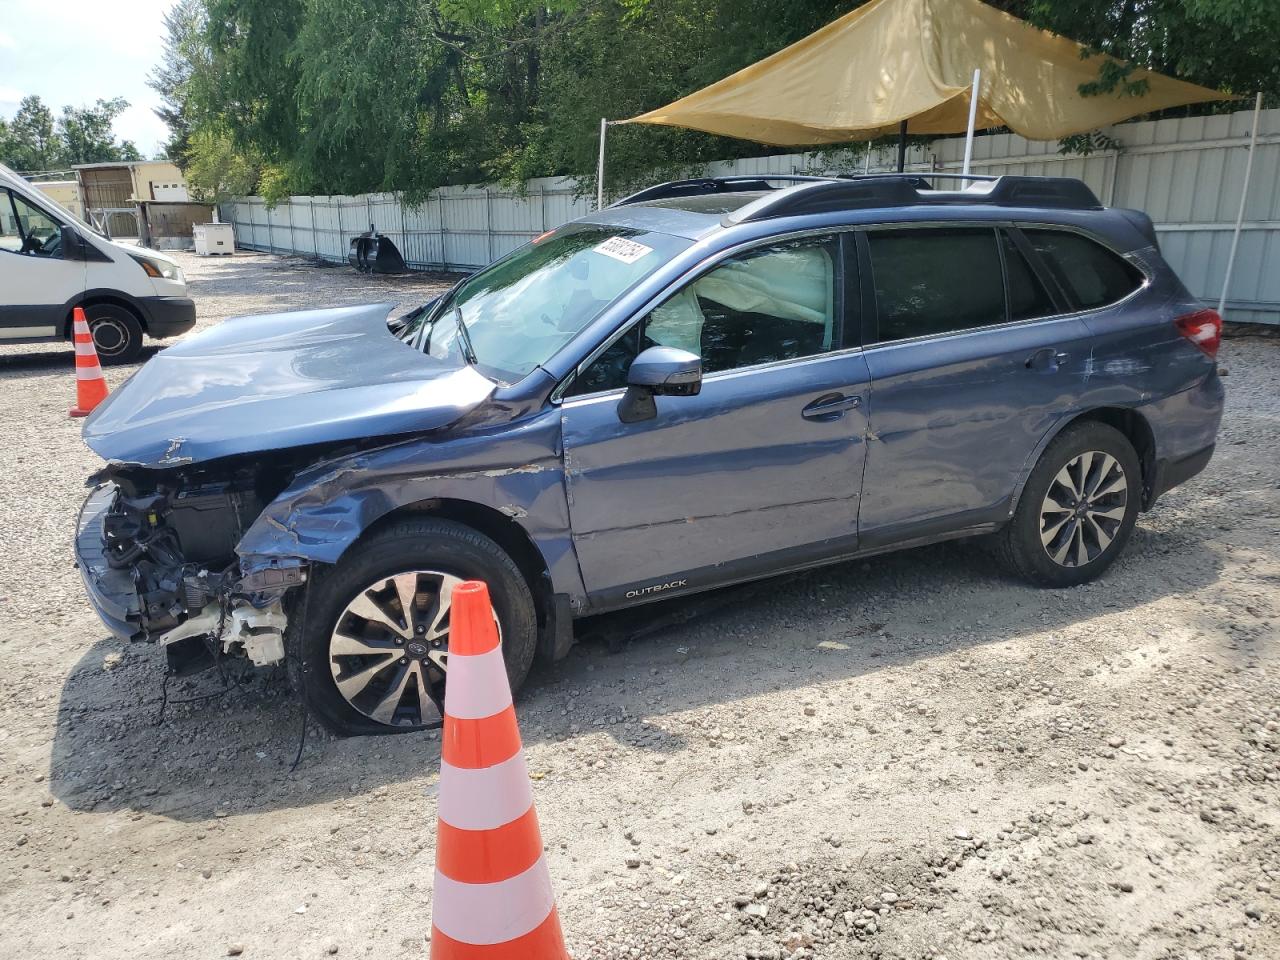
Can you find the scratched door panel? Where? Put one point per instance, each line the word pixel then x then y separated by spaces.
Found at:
pixel 716 483
pixel 953 421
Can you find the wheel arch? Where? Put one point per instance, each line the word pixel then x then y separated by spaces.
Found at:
pixel 1130 422
pixel 494 524
pixel 552 609
pixel 92 298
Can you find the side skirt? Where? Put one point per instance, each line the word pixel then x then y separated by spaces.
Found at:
pixel 750 569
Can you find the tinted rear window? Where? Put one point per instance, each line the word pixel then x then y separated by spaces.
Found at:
pixel 1093 275
pixel 936 281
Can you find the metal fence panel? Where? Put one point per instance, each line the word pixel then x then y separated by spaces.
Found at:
pixel 1186 173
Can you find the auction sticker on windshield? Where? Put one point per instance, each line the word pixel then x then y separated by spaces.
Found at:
pixel 620 248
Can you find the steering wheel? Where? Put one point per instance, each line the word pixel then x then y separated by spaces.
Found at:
pixel 48 247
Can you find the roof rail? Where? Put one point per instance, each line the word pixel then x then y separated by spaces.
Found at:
pixel 701 186
pixel 906 190
pixel 809 194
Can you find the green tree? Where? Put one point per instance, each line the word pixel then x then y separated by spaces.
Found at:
pixel 1226 44
pixel 87 137
pixel 322 96
pixel 183 61
pixel 33 141
pixel 215 169
pixel 251 80
pixel 6 141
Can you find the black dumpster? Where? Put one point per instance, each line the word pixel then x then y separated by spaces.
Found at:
pixel 372 252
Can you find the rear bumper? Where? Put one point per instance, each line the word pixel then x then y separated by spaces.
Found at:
pixel 168 316
pixel 1170 473
pixel 111 592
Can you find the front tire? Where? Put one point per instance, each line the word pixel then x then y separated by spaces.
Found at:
pixel 117 334
pixel 1077 510
pixel 373 650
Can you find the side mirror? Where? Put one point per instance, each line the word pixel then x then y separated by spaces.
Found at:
pixel 73 247
pixel 396 324
pixel 658 371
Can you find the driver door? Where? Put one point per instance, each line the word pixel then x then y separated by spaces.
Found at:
pixel 762 470
pixel 35 282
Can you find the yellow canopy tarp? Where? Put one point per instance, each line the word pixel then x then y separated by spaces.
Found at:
pixel 893 60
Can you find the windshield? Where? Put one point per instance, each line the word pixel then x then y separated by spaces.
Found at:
pixel 518 312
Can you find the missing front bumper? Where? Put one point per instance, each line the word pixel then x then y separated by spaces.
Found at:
pixel 245 620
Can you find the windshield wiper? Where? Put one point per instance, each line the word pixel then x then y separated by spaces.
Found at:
pixel 467 350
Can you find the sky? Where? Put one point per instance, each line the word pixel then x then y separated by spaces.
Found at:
pixel 79 51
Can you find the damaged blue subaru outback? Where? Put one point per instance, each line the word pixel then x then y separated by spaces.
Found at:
pixel 709 382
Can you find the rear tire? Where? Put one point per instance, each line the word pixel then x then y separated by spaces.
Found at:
pixel 117 333
pixel 426 555
pixel 1077 509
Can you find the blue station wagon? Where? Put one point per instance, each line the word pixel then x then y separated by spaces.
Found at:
pixel 709 382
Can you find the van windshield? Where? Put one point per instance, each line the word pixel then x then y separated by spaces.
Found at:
pixel 515 314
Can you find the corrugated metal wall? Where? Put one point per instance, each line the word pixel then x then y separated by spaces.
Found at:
pixel 1186 174
pixel 458 228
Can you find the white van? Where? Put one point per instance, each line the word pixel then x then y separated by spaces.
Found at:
pixel 52 261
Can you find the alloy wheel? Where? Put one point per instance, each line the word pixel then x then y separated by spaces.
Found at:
pixel 1083 509
pixel 389 650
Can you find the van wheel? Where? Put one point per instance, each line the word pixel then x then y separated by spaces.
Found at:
pixel 373 651
pixel 117 334
pixel 1077 509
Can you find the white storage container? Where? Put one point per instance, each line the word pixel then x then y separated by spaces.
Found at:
pixel 213 239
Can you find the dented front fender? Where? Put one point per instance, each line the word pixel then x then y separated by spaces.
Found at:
pixel 329 506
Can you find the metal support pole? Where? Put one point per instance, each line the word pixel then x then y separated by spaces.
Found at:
pixel 604 129
pixel 488 223
pixel 973 119
pixel 1244 196
pixel 902 146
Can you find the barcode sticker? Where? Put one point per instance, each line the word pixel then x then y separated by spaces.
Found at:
pixel 620 248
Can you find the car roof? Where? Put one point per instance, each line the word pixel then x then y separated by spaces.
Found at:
pixel 763 205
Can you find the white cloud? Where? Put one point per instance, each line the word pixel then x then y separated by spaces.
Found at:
pixel 10 97
pixel 7 42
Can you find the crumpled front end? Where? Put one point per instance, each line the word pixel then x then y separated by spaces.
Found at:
pixel 157 556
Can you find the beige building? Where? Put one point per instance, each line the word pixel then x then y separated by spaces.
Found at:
pixel 64 192
pixel 111 191
pixel 158 180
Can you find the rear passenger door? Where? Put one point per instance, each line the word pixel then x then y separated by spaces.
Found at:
pixel 972 361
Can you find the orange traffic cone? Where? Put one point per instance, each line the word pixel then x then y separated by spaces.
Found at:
pixel 493 897
pixel 91 386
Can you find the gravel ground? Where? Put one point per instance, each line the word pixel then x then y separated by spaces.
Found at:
pixel 911 757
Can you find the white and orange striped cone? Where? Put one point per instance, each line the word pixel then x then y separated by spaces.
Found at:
pixel 493 897
pixel 91 386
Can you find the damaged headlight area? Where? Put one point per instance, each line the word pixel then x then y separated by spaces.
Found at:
pixel 156 549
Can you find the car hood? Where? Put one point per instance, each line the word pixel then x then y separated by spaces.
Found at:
pixel 277 381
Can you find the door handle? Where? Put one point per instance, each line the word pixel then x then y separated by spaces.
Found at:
pixel 830 406
pixel 1047 359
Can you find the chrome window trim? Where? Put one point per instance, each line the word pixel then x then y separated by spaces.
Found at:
pixel 557 395
pixel 723 374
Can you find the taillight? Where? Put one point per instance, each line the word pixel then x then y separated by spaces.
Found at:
pixel 1203 328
